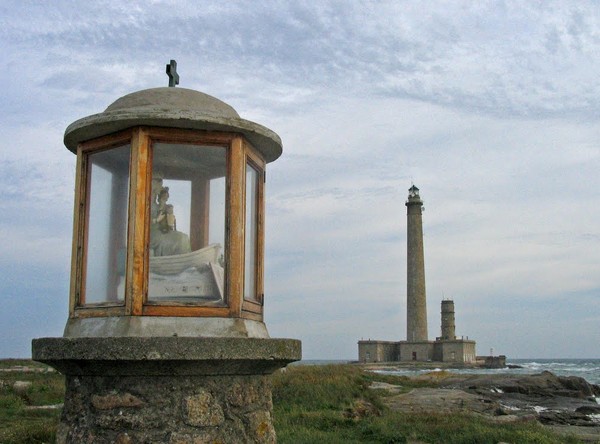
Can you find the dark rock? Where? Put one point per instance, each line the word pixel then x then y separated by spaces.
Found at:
pixel 545 384
pixel 432 400
pixel 500 411
pixel 555 400
pixel 565 418
pixel 589 409
pixel 513 366
pixel 506 399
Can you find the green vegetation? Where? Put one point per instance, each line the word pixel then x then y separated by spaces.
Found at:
pixel 312 404
pixel 14 363
pixel 20 393
pixel 333 404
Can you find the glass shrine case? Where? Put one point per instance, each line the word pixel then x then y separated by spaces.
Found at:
pixel 168 222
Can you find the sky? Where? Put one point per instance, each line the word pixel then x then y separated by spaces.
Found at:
pixel 492 109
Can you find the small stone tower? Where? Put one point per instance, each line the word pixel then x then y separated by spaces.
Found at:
pixel 448 326
pixel 416 304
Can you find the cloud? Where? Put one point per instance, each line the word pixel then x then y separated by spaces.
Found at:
pixel 500 59
pixel 490 108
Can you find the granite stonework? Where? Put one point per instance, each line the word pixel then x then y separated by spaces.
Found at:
pixel 167 409
pixel 166 390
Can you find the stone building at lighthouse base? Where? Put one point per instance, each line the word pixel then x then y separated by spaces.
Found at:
pixel 446 348
pixel 459 351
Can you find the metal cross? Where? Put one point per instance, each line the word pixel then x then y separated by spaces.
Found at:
pixel 172 73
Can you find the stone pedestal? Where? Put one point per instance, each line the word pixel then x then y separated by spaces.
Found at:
pixel 166 389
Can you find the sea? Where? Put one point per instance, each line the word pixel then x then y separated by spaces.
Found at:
pixel 589 369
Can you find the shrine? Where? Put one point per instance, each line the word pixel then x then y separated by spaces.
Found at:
pixel 165 339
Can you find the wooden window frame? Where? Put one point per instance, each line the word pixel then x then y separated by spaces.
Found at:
pixel 77 305
pixel 239 152
pixel 254 308
pixel 187 137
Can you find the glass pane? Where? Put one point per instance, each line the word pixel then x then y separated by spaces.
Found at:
pixel 251 231
pixel 187 224
pixel 108 179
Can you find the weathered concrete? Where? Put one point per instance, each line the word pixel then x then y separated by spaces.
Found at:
pixel 416 350
pixel 416 300
pixel 492 361
pixel 172 108
pixel 165 355
pixel 459 350
pixel 378 351
pixel 154 326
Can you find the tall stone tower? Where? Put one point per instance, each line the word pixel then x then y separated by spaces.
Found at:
pixel 448 328
pixel 416 304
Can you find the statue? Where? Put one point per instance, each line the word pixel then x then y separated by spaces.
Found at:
pixel 170 219
pixel 177 273
pixel 165 240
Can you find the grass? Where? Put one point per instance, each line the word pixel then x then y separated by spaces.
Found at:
pixel 10 363
pixel 312 404
pixel 332 404
pixel 19 424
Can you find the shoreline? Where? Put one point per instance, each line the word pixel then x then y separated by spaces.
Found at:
pixel 428 365
pixel 565 404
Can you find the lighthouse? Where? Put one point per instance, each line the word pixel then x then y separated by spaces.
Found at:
pixel 416 304
pixel 417 347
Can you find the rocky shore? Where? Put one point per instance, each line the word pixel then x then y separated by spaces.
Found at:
pixel 565 404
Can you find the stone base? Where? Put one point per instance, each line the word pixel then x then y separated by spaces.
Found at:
pixel 166 390
pixel 167 409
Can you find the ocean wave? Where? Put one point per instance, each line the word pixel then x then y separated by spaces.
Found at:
pixel 587 369
pixel 571 368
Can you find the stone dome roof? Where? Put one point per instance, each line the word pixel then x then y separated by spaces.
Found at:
pixel 173 99
pixel 172 108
